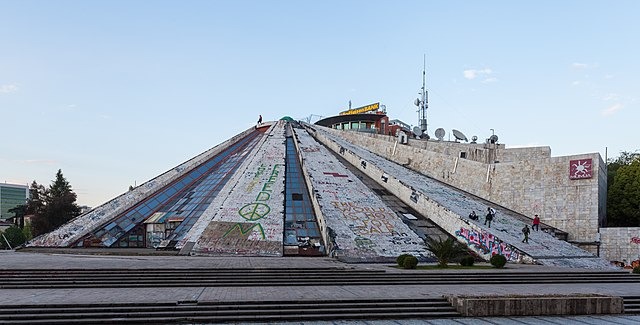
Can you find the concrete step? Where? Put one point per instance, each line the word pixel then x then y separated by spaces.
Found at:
pixel 124 279
pixel 631 304
pixel 229 311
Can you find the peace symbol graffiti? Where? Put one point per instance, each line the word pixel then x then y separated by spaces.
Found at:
pixel 254 211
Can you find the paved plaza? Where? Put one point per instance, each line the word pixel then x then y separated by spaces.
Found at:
pixel 79 259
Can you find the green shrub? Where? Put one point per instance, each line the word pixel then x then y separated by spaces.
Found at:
pixel 467 261
pixel 410 262
pixel 400 259
pixel 15 237
pixel 445 250
pixel 498 261
pixel 636 270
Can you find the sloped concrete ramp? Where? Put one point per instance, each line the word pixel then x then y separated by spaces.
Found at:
pixel 361 227
pixel 449 208
pixel 248 220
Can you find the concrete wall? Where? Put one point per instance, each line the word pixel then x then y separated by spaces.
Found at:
pixel 537 305
pixel 533 186
pixel 481 152
pixel 620 244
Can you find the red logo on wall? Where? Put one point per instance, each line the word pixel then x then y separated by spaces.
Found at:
pixel 580 169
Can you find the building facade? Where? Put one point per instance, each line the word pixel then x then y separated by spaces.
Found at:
pixel 11 195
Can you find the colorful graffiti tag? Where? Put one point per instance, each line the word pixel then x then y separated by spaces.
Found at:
pixel 487 243
pixel 635 240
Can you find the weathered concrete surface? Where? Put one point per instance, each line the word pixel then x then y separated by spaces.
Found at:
pixel 520 305
pixel 359 225
pixel 90 221
pixel 449 208
pixel 525 183
pixel 250 220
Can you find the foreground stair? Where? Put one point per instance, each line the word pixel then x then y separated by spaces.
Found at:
pixel 125 278
pixel 244 311
pixel 631 304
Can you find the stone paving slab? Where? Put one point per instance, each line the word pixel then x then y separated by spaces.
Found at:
pixel 538 320
pixel 29 260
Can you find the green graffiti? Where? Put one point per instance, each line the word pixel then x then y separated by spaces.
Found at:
pixel 245 231
pixel 254 211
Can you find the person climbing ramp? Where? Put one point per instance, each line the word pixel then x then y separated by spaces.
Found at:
pixel 536 223
pixel 489 217
pixel 526 232
pixel 260 119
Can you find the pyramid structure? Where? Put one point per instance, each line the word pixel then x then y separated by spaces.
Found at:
pixel 278 190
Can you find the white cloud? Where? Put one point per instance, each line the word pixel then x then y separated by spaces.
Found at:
pixel 474 73
pixel 7 89
pixel 611 96
pixel 576 83
pixel 488 80
pixel 579 66
pixel 41 161
pixel 612 109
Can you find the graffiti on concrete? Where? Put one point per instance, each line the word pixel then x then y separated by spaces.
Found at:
pixel 487 243
pixel 258 209
pixel 635 240
pixel 366 221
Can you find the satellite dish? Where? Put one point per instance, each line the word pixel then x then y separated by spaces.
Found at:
pixel 440 133
pixel 473 139
pixel 417 131
pixel 459 135
pixel 493 139
pixel 416 102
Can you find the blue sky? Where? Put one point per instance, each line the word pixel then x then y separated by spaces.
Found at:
pixel 117 92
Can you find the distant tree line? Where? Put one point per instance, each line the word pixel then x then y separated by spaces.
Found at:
pixel 47 207
pixel 623 190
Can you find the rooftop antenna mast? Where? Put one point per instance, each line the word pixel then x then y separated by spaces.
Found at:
pixel 423 101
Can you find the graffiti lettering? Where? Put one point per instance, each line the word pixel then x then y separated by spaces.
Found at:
pixel 258 209
pixel 243 231
pixel 487 243
pixel 635 240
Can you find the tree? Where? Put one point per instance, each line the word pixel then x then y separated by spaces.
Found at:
pixel 36 209
pixel 52 207
pixel 623 195
pixel 445 250
pixel 18 213
pixel 60 202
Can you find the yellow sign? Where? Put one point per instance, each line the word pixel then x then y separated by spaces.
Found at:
pixel 363 109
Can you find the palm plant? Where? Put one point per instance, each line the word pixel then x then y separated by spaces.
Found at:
pixel 445 250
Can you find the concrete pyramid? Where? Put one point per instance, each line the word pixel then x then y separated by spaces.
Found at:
pixel 277 190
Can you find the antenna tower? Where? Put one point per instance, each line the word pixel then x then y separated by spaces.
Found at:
pixel 424 100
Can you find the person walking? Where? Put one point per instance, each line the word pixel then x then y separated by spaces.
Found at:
pixel 526 232
pixel 536 223
pixel 260 119
pixel 489 217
